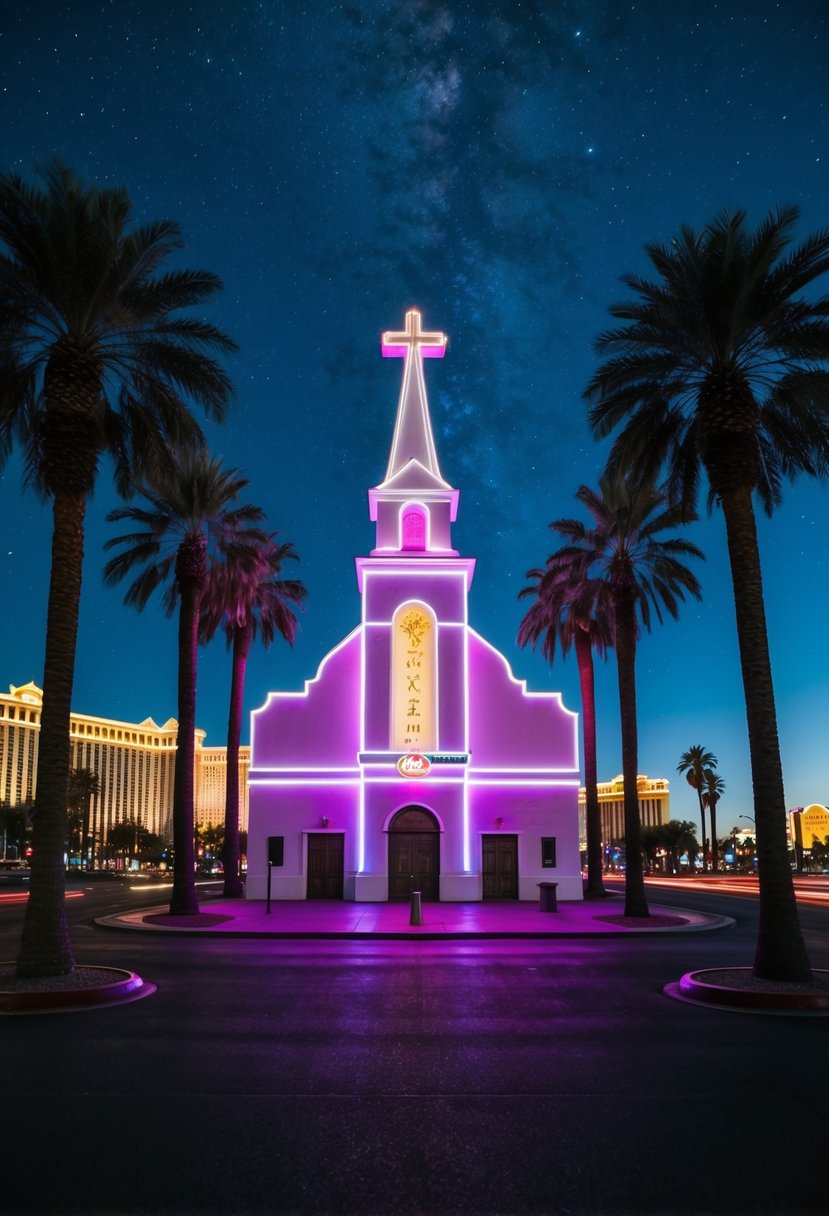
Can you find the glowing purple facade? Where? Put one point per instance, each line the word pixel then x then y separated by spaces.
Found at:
pixel 414 759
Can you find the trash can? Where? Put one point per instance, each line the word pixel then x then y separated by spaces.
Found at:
pixel 547 897
pixel 416 914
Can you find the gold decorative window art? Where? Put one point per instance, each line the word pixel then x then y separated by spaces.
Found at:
pixel 413 680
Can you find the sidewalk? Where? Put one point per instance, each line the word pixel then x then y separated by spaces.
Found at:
pixel 338 919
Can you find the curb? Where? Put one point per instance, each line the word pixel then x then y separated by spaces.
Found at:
pixel 134 922
pixel 126 986
pixel 694 989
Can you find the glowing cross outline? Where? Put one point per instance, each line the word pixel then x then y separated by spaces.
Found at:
pixel 399 344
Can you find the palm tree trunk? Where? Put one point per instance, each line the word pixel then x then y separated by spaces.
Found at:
pixel 45 946
pixel 592 813
pixel 712 815
pixel 636 903
pixel 233 888
pixel 702 821
pixel 781 952
pixel 184 901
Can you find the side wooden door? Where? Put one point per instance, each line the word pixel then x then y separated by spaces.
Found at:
pixel 499 866
pixel 325 865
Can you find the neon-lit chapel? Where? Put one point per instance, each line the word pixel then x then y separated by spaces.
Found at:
pixel 414 759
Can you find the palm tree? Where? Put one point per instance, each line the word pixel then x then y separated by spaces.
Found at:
pixel 693 764
pixel 677 835
pixel 714 790
pixel 651 839
pixel 94 359
pixel 13 828
pixel 570 610
pixel 74 833
pixel 245 598
pixel 720 366
pixel 83 787
pixel 640 574
pixel 188 527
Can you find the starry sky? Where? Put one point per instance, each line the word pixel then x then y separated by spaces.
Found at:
pixel 498 164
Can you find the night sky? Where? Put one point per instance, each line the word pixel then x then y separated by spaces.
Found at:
pixel 498 165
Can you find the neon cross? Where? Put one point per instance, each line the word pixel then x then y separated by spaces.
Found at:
pixel 399 343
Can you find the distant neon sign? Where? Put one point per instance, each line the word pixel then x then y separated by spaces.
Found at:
pixel 413 765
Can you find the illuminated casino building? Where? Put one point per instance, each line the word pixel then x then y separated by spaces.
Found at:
pixel 133 761
pixel 414 759
pixel 654 806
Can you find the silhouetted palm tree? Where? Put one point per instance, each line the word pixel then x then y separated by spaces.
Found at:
pixel 650 838
pixel 245 598
pixel 94 360
pixel 693 764
pixel 84 785
pixel 720 366
pixel 711 794
pixel 640 574
pixel 570 609
pixel 190 525
pixel 678 836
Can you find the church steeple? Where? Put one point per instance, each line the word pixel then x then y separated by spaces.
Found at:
pixel 413 505
pixel 413 439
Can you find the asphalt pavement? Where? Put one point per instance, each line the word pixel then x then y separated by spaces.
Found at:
pixel 385 1076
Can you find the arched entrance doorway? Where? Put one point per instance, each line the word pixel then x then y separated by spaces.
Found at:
pixel 414 854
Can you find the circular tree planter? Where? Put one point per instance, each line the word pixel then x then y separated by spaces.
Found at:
pixel 738 988
pixel 83 988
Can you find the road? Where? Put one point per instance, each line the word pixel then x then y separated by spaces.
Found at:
pixel 418 1078
pixel 810 889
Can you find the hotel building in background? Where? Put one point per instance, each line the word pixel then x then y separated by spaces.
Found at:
pixel 211 772
pixel 134 763
pixel 654 806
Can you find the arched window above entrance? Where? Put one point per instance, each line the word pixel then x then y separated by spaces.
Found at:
pixel 414 819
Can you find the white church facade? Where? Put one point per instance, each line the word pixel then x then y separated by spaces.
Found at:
pixel 414 759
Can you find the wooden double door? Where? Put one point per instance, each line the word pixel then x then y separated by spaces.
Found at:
pixel 414 854
pixel 499 865
pixel 325 865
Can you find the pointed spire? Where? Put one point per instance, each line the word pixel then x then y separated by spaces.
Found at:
pixel 413 459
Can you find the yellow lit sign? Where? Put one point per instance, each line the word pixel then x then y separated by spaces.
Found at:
pixel 413 675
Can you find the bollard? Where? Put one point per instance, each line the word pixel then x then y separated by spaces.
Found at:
pixel 547 897
pixel 416 914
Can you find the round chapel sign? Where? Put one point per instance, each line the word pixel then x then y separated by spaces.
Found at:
pixel 413 765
